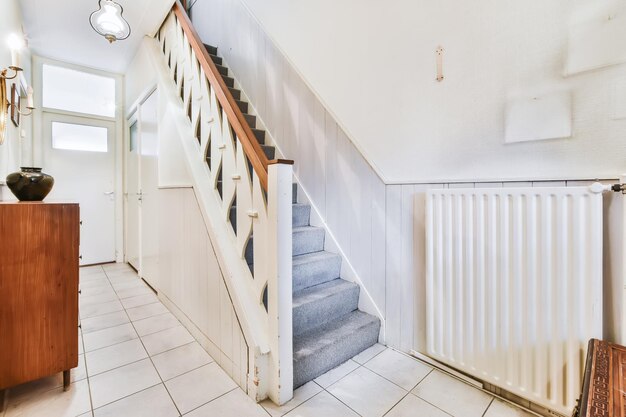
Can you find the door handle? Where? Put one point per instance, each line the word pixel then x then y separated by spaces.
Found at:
pixel 109 192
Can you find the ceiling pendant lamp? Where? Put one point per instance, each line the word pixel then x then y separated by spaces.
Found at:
pixel 109 22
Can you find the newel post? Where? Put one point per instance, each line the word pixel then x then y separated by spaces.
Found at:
pixel 279 196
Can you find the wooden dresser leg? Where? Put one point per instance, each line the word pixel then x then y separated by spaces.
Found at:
pixel 66 380
pixel 3 400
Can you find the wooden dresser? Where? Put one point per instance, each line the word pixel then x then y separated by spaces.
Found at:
pixel 38 291
pixel 604 387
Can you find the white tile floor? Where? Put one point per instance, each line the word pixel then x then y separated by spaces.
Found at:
pixel 137 360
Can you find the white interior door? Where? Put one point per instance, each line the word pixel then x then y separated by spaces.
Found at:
pixel 133 195
pixel 149 206
pixel 141 225
pixel 80 154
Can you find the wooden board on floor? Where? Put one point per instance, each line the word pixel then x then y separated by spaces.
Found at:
pixel 604 388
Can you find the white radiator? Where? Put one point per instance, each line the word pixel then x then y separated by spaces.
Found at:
pixel 514 286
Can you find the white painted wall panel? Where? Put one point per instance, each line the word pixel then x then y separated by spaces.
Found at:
pixel 191 281
pixel 394 274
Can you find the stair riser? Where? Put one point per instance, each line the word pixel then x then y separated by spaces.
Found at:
pixel 235 93
pixel 314 273
pixel 243 106
pixel 260 135
pixel 334 354
pixel 269 151
pixel 251 120
pixel 222 70
pixel 301 214
pixel 311 240
pixel 211 49
pixel 319 312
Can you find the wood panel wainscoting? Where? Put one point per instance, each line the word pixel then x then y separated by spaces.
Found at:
pixel 604 387
pixel 38 291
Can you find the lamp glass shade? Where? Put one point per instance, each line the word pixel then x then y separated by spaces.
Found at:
pixel 109 22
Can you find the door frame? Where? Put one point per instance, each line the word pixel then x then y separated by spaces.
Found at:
pixel 48 118
pixel 133 115
pixel 130 121
pixel 38 131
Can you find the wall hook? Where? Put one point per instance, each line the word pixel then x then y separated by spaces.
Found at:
pixel 439 57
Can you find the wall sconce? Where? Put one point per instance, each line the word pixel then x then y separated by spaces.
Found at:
pixel 15 43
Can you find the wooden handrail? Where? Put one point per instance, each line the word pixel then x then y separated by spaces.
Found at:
pixel 250 145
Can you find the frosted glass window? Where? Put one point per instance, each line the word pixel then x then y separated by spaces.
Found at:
pixel 78 91
pixel 73 137
pixel 133 136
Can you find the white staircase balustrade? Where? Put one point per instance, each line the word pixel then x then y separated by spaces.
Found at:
pixel 263 228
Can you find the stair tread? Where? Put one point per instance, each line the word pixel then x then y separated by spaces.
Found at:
pixel 299 229
pixel 313 257
pixel 329 333
pixel 317 292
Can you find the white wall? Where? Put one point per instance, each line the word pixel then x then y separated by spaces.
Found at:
pixel 139 76
pixel 15 151
pixel 373 66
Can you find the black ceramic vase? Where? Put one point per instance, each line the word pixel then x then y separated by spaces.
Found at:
pixel 30 184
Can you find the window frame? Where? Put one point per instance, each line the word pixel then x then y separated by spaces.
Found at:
pixel 50 120
pixel 115 79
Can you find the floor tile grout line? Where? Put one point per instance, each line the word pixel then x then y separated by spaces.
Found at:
pixel 148 357
pixel 339 399
pixel 404 396
pixel 363 366
pixel 210 401
pixel 359 366
pixel 124 397
pixel 153 365
pixel 82 341
pixel 108 327
pixel 399 401
pixel 397 385
pixel 156 354
pixel 191 370
pixel 489 405
pixel 428 402
pixel 100 315
pixel 87 373
pixel 131 321
pixel 421 380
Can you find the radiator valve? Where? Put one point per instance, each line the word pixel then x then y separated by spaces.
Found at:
pixel 619 188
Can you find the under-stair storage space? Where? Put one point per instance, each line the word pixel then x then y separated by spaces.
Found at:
pixel 38 291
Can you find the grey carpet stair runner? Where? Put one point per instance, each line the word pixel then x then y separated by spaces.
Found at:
pixel 328 328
